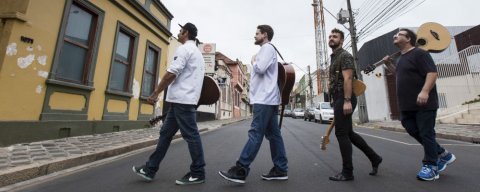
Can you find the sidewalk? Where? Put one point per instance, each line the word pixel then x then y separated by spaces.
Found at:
pixel 467 133
pixel 22 162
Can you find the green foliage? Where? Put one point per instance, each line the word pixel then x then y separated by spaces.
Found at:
pixel 472 101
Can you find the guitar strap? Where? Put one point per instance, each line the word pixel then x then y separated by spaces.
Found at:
pixel 276 51
pixel 337 72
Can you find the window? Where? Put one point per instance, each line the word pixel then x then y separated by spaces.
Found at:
pixel 121 73
pixel 224 96
pixel 78 45
pixel 151 69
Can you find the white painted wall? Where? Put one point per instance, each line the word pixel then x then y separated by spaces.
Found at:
pixel 377 95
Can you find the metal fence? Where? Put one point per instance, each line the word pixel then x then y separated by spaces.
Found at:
pixel 459 78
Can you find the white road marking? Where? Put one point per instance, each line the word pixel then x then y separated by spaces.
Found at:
pixel 409 144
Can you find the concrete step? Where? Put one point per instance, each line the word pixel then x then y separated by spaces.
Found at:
pixel 474 111
pixel 470 116
pixel 468 121
pixel 451 119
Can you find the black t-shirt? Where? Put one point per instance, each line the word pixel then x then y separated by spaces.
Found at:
pixel 411 73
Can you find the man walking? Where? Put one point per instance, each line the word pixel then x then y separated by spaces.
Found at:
pixel 342 71
pixel 184 79
pixel 265 97
pixel 416 75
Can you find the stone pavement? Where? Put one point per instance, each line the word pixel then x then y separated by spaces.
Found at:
pixel 467 133
pixel 22 162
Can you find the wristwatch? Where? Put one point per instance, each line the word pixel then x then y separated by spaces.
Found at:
pixel 346 99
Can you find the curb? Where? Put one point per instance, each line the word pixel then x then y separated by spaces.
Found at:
pixel 23 173
pixel 38 169
pixel 438 135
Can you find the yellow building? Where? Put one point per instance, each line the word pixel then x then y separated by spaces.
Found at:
pixel 79 67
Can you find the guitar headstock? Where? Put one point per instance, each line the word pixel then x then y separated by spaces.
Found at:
pixel 324 142
pixel 369 69
pixel 157 119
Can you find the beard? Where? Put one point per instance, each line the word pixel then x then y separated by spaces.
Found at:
pixel 258 42
pixel 334 46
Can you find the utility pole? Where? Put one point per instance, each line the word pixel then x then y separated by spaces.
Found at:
pixel 362 104
pixel 311 86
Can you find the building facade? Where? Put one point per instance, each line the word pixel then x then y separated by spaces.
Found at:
pixel 225 107
pixel 79 67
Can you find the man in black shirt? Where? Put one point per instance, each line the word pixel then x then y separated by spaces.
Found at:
pixel 416 74
pixel 344 103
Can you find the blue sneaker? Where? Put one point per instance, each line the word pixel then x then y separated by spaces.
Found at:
pixel 444 161
pixel 428 173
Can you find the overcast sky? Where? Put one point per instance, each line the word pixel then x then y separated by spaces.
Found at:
pixel 232 24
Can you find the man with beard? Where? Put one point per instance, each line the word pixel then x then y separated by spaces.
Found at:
pixel 265 97
pixel 418 102
pixel 184 79
pixel 342 71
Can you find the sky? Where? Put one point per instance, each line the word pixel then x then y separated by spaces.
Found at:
pixel 232 24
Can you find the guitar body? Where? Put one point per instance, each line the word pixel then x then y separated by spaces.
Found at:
pixel 210 94
pixel 433 37
pixel 286 79
pixel 359 87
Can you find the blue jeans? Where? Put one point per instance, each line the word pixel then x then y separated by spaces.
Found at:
pixel 421 126
pixel 183 117
pixel 264 123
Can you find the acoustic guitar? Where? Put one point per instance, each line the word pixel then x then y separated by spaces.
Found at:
pixel 286 79
pixel 209 95
pixel 431 37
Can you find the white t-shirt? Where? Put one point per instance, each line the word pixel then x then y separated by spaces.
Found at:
pixel 189 66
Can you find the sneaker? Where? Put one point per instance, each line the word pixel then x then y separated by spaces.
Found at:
pixel 428 173
pixel 140 171
pixel 189 179
pixel 236 174
pixel 275 175
pixel 444 161
pixel 375 166
pixel 340 177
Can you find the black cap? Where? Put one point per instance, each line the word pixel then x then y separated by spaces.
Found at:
pixel 190 28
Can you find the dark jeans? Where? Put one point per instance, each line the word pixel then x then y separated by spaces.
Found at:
pixel 264 123
pixel 346 136
pixel 421 126
pixel 183 117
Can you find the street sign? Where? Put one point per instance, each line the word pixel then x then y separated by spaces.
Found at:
pixel 208 51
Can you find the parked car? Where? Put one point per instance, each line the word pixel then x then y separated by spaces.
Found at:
pixel 287 113
pixel 309 114
pixel 323 112
pixel 297 113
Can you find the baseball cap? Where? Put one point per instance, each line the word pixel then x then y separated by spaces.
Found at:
pixel 190 28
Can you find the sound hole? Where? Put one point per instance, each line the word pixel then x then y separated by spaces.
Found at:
pixel 422 42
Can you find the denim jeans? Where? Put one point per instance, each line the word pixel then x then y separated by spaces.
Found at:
pixel 264 123
pixel 421 126
pixel 183 117
pixel 346 136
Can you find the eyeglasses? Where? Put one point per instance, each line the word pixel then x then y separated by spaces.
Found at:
pixel 400 34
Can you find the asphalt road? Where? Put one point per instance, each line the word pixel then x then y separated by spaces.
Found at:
pixel 309 167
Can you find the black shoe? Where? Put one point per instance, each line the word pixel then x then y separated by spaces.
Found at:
pixel 341 177
pixel 141 171
pixel 275 175
pixel 189 179
pixel 375 166
pixel 236 174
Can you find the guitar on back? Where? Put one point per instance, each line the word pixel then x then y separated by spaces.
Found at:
pixel 209 95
